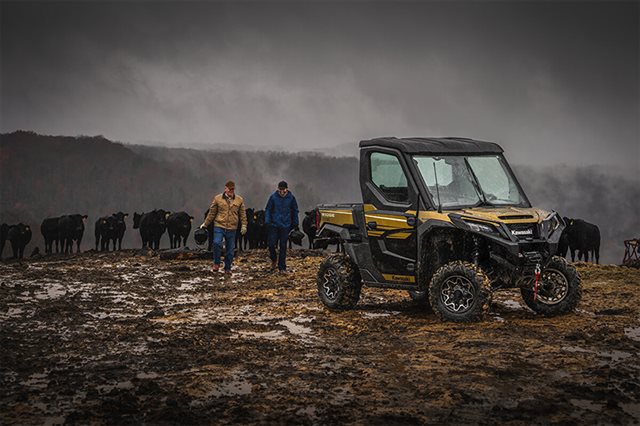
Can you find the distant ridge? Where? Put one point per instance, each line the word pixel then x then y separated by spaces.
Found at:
pixel 44 176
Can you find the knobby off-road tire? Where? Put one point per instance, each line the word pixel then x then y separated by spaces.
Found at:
pixel 419 297
pixel 339 282
pixel 559 289
pixel 460 292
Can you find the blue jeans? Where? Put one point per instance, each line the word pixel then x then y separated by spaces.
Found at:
pixel 281 235
pixel 230 242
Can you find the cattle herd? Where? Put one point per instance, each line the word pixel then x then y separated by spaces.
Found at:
pixel 62 232
pixel 578 236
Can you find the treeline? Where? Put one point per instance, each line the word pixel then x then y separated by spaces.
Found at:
pixel 42 176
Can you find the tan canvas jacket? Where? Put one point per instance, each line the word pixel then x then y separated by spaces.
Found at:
pixel 225 213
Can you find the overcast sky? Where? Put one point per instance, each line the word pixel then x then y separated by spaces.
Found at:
pixel 552 82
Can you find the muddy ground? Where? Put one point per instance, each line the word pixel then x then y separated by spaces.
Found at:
pixel 122 338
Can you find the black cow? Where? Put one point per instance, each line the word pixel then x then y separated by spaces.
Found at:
pixel 71 228
pixel 309 226
pixel 253 228
pixel 582 236
pixel 209 232
pixel 136 220
pixel 260 235
pixel 152 225
pixel 178 228
pixel 105 232
pixel 121 226
pixel 4 229
pixel 19 236
pixel 245 241
pixel 239 236
pixel 50 233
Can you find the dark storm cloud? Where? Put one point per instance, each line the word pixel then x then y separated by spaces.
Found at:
pixel 554 83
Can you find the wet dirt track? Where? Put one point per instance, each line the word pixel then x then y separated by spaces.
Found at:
pixel 121 338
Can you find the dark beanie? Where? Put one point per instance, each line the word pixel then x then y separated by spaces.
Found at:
pixel 283 185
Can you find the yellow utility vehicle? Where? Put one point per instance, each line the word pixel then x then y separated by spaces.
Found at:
pixel 446 220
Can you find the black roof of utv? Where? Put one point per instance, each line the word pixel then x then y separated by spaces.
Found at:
pixel 435 145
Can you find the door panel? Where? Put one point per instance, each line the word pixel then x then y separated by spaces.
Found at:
pixel 393 243
pixel 390 189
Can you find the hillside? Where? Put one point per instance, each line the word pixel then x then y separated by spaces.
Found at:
pixel 43 176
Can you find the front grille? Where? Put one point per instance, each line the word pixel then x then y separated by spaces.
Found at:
pixel 533 257
pixel 523 231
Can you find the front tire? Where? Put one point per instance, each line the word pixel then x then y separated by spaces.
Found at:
pixel 339 282
pixel 559 289
pixel 460 292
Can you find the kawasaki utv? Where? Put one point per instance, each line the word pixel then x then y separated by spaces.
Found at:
pixel 446 220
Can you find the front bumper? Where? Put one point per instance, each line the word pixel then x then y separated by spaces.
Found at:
pixel 519 254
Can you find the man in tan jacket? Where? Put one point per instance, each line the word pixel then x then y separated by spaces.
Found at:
pixel 226 210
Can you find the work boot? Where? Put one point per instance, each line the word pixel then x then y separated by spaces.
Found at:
pixel 227 272
pixel 215 268
pixel 274 265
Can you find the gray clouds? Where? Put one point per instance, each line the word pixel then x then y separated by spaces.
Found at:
pixel 553 83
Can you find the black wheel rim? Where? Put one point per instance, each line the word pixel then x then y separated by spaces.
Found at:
pixel 553 287
pixel 457 294
pixel 331 284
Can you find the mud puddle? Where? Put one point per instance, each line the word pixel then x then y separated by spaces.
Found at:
pixel 120 338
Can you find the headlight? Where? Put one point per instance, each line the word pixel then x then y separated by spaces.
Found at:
pixel 550 224
pixel 481 227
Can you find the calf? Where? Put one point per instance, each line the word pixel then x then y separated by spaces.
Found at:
pixel 121 226
pixel 152 225
pixel 105 232
pixel 19 236
pixel 51 233
pixel 4 228
pixel 582 236
pixel 178 228
pixel 309 226
pixel 70 229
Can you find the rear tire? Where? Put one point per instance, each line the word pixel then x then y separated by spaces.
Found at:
pixel 559 289
pixel 460 292
pixel 339 282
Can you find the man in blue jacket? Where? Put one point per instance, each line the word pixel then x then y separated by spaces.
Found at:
pixel 280 215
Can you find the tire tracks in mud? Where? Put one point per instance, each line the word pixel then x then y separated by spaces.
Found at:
pixel 124 338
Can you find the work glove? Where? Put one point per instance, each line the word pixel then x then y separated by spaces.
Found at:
pixel 203 226
pixel 243 230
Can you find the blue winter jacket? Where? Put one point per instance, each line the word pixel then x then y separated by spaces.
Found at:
pixel 281 211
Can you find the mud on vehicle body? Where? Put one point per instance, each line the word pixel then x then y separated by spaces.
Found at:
pixel 446 220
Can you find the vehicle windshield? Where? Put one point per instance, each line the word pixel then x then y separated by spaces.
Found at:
pixel 469 181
